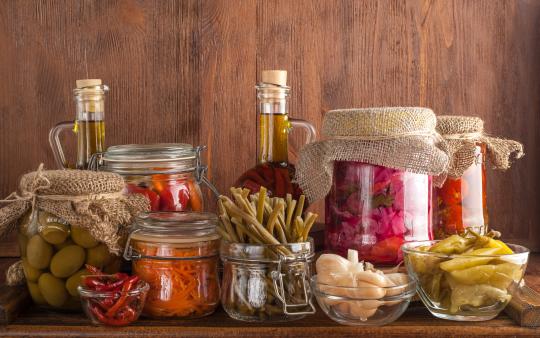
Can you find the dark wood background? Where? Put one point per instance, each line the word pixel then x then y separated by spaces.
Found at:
pixel 184 71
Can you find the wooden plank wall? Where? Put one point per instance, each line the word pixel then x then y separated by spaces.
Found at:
pixel 184 71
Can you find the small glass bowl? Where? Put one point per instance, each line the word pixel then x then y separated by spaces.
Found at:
pixel 477 292
pixel 363 306
pixel 96 304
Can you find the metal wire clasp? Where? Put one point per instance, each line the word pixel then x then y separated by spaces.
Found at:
pixel 279 288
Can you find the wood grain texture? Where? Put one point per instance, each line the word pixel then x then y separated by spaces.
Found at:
pixel 416 322
pixel 184 71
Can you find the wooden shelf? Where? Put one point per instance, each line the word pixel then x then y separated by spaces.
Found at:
pixel 415 322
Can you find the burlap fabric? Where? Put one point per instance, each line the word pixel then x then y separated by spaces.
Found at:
pixel 400 138
pixel 463 133
pixel 88 199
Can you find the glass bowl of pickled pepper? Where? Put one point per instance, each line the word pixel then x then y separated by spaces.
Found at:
pixel 112 300
pixel 468 277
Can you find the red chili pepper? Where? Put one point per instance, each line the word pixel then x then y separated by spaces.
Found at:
pixel 114 286
pixel 93 283
pixel 253 176
pixel 127 313
pixel 280 184
pixel 106 320
pixel 128 285
pixel 93 270
pixel 267 173
pixel 106 303
pixel 252 186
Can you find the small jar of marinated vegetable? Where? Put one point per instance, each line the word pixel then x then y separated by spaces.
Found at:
pixel 460 203
pixel 263 282
pixel 168 174
pixel 176 253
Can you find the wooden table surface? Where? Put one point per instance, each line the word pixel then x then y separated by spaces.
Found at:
pixel 415 322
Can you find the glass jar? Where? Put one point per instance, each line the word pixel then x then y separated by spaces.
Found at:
pixel 267 282
pixel 168 174
pixel 177 254
pixel 460 204
pixel 374 209
pixel 54 254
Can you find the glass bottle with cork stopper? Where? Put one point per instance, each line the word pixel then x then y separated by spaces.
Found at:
pixel 273 170
pixel 89 124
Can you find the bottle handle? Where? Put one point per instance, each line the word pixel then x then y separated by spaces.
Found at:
pixel 308 127
pixel 56 146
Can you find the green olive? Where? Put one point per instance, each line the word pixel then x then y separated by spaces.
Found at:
pixel 36 295
pixel 98 256
pixel 53 290
pixel 62 245
pixel 67 261
pixel 38 252
pixel 23 242
pixel 82 237
pixel 32 274
pixel 52 228
pixel 74 281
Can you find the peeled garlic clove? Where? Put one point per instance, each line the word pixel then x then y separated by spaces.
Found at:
pixel 398 278
pixel 352 256
pixel 365 290
pixel 330 263
pixel 372 278
pixel 342 308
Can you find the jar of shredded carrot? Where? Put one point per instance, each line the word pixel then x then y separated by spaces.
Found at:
pixel 177 254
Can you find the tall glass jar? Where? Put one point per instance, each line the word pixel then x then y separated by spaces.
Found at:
pixel 177 254
pixel 374 209
pixel 267 282
pixel 168 174
pixel 460 204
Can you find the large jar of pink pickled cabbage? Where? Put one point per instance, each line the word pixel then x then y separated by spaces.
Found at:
pixel 375 168
pixel 374 209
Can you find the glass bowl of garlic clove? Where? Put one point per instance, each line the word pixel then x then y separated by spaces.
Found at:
pixel 355 293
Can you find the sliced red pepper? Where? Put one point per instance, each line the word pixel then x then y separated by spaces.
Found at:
pixel 128 285
pixel 387 250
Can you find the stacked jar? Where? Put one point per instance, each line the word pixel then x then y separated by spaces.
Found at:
pixel 177 254
pixel 168 174
pixel 375 170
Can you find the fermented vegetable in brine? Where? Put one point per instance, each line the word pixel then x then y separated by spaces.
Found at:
pixel 375 209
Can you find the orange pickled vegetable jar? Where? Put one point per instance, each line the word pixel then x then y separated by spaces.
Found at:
pixel 461 202
pixel 177 254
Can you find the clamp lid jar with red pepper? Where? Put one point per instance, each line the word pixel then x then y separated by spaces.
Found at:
pixel 168 174
pixel 177 254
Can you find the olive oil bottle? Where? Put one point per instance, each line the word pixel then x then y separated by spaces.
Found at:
pixel 273 170
pixel 89 124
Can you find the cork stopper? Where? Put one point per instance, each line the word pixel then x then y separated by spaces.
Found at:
pixel 82 83
pixel 276 77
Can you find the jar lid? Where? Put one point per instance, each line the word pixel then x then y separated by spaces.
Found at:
pixel 142 159
pixel 175 227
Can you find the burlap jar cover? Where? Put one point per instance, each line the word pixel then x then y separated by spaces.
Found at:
pixel 463 133
pixel 396 137
pixel 90 200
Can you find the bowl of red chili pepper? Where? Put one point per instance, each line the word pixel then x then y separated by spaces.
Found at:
pixel 112 300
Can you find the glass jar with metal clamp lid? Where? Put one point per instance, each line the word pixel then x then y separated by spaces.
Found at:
pixel 263 282
pixel 177 254
pixel 168 174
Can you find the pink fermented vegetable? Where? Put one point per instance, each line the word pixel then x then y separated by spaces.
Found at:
pixel 374 209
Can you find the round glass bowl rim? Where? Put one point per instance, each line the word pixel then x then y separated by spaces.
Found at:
pixel 410 289
pixel 408 248
pixel 141 287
